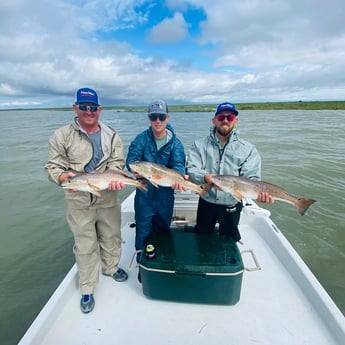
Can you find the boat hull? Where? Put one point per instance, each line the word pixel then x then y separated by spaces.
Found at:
pixel 281 303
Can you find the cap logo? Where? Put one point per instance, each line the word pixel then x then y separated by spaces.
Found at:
pixel 156 106
pixel 87 93
pixel 226 106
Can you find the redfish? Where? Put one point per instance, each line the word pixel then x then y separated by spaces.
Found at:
pixel 94 182
pixel 160 175
pixel 241 187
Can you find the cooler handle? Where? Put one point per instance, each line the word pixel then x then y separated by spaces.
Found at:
pixel 130 266
pixel 257 266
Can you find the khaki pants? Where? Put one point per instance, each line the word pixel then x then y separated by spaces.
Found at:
pixel 97 240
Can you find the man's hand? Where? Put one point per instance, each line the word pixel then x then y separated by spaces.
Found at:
pixel 265 197
pixel 208 177
pixel 116 185
pixel 179 186
pixel 65 176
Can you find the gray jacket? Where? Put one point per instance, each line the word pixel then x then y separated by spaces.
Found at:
pixel 70 149
pixel 239 158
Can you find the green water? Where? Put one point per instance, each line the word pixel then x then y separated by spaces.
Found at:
pixel 302 151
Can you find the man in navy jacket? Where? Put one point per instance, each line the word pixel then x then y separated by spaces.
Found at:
pixel 158 144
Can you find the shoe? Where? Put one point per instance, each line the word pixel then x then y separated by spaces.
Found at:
pixel 87 303
pixel 120 275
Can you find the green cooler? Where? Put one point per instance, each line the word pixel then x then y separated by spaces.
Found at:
pixel 191 267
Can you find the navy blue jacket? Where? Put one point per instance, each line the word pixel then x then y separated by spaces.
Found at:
pixel 171 155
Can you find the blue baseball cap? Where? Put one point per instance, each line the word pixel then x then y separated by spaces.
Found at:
pixel 226 106
pixel 86 95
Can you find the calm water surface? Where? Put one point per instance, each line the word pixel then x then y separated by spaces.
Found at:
pixel 302 151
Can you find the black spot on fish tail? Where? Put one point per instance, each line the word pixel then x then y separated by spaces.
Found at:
pixel 303 205
pixel 205 188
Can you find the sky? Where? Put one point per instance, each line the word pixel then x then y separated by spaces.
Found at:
pixel 183 51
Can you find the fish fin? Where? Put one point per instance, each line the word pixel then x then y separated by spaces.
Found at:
pixel 120 172
pixel 303 205
pixel 154 183
pixel 93 186
pixel 94 190
pixel 95 193
pixel 238 196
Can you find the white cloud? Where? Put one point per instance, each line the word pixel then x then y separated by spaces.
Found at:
pixel 169 30
pixel 255 49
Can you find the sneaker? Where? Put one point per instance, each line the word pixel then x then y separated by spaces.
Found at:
pixel 120 275
pixel 87 303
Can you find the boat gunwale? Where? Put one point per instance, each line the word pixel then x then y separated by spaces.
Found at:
pixel 325 307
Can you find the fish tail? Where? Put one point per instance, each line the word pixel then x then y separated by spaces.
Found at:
pixel 204 189
pixel 303 205
pixel 142 185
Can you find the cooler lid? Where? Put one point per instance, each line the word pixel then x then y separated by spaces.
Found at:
pixel 192 252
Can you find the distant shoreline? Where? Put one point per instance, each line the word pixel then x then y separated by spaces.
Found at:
pixel 300 105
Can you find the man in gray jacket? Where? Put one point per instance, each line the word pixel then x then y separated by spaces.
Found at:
pixel 88 145
pixel 223 152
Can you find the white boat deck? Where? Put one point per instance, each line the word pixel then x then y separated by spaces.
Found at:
pixel 282 303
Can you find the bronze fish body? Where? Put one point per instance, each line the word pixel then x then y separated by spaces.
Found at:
pixel 241 187
pixel 94 182
pixel 160 175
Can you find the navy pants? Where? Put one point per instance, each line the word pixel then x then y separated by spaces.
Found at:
pixel 151 215
pixel 228 217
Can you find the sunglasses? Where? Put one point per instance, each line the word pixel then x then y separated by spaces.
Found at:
pixel 154 117
pixel 92 108
pixel 230 118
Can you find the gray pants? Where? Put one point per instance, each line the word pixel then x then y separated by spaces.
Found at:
pixel 97 240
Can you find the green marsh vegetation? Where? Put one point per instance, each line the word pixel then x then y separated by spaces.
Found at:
pixel 329 105
pixel 299 105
